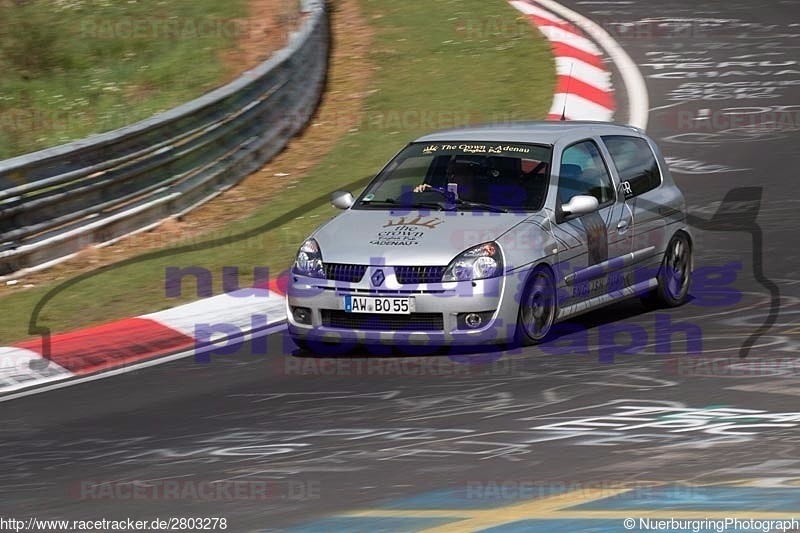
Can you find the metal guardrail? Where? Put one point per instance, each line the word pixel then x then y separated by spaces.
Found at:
pixel 55 202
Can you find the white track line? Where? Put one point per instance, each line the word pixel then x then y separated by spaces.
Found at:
pixel 584 71
pixel 574 40
pixel 578 108
pixel 530 9
pixel 634 82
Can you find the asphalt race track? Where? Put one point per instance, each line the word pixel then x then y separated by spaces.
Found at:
pixel 411 444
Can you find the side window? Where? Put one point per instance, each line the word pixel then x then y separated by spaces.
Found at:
pixel 635 163
pixel 584 172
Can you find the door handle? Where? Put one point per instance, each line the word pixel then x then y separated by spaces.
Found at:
pixel 622 226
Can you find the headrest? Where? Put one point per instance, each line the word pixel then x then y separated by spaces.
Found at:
pixel 464 168
pixel 570 171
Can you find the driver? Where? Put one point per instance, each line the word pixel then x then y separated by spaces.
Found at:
pixel 464 174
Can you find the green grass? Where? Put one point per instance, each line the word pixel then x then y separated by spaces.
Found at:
pixel 426 62
pixel 72 68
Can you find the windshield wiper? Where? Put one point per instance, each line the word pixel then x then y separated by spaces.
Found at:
pixel 488 207
pixel 391 203
pixel 430 205
pixel 388 201
pixel 467 203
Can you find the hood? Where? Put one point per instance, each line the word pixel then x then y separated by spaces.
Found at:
pixel 409 237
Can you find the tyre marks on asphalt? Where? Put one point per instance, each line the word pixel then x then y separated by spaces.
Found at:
pixel 721 78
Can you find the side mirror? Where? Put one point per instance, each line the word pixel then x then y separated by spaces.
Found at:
pixel 580 205
pixel 342 199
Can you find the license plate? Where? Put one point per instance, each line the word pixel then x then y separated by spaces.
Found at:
pixel 380 305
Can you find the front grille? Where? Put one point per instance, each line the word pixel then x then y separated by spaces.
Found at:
pixel 419 274
pixel 342 272
pixel 371 321
pixel 381 292
pixel 406 275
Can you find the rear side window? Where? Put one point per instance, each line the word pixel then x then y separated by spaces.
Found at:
pixel 635 162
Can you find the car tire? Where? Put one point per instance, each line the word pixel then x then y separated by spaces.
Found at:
pixel 675 274
pixel 537 309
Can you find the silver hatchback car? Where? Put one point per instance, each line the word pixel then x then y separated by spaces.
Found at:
pixel 491 234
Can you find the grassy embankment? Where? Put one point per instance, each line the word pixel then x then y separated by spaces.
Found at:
pixel 72 68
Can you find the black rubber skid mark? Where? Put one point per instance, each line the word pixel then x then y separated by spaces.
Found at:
pixel 738 212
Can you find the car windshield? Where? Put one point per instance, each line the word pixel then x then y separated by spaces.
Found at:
pixel 496 176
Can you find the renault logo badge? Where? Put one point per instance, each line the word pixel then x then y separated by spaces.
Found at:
pixel 377 278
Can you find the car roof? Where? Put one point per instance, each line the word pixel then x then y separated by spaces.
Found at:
pixel 536 132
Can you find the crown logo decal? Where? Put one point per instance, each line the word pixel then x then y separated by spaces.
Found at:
pixel 416 221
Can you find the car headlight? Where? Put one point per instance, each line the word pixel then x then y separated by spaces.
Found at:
pixel 309 260
pixel 480 262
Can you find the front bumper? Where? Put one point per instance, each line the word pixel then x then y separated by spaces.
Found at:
pixel 437 319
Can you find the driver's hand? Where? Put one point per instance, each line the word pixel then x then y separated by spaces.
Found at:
pixel 422 187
